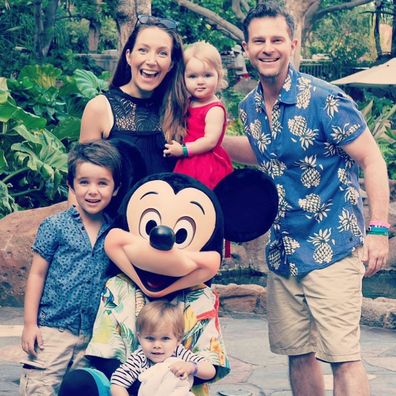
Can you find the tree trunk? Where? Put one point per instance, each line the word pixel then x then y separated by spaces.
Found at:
pixel 94 28
pixel 126 16
pixel 44 27
pixel 301 11
pixel 377 20
pixel 93 35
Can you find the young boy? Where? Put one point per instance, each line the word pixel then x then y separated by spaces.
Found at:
pixel 68 272
pixel 160 328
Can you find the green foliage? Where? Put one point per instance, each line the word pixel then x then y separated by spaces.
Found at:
pixel 231 99
pixel 343 35
pixel 193 27
pixel 40 115
pixel 378 114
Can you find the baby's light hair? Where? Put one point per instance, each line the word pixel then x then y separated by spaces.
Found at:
pixel 159 314
pixel 209 55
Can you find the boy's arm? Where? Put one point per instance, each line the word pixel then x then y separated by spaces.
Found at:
pixel 33 293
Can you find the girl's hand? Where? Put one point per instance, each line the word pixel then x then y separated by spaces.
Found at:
pixel 182 369
pixel 173 149
pixel 30 335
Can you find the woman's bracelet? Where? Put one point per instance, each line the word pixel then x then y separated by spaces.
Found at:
pixel 185 151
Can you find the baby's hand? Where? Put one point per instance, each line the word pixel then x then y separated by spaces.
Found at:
pixel 31 335
pixel 182 369
pixel 173 149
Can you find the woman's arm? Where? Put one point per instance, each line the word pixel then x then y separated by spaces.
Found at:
pixel 34 290
pixel 97 120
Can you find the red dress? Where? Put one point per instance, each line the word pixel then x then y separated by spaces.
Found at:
pixel 210 167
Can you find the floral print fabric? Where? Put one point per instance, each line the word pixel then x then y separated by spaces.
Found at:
pixel 114 333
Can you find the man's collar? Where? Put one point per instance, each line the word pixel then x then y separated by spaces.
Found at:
pixel 288 93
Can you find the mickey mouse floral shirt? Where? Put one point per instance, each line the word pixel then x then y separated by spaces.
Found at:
pixel 114 333
pixel 320 218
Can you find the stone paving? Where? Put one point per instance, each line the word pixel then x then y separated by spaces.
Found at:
pixel 255 370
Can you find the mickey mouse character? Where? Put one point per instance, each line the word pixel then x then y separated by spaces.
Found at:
pixel 168 244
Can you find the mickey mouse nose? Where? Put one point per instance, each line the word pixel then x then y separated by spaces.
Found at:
pixel 162 238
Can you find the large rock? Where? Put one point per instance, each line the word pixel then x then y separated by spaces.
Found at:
pixel 17 232
pixel 246 299
pixel 379 312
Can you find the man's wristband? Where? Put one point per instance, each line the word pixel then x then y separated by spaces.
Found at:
pixel 185 151
pixel 195 372
pixel 374 223
pixel 376 230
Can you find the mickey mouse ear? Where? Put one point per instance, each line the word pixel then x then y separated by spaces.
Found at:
pixel 249 200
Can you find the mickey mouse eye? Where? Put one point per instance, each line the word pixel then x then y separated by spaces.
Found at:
pixel 184 232
pixel 150 219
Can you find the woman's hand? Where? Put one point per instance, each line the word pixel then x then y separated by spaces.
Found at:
pixel 173 149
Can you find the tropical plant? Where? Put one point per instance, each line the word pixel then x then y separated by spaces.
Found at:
pixel 40 115
pixel 379 123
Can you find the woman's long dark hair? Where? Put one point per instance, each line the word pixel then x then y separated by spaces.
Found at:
pixel 172 89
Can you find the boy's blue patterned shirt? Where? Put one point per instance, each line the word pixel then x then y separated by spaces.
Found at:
pixel 76 273
pixel 320 217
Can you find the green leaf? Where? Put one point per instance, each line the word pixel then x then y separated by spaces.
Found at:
pixel 7 110
pixel 3 162
pixel 45 76
pixel 69 128
pixel 26 134
pixel 88 84
pixel 7 202
pixel 4 94
pixel 10 111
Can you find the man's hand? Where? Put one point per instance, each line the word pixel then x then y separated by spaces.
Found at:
pixel 375 253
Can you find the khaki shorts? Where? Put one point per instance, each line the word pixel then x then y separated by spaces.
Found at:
pixel 62 351
pixel 319 313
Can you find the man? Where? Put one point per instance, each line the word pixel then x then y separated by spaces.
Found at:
pixel 310 138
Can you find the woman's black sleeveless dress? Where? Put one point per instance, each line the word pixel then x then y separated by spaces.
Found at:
pixel 137 126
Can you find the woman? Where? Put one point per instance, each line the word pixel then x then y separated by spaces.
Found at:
pixel 145 98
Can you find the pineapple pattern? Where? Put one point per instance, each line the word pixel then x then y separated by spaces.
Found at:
pixel 310 176
pixel 298 126
pixel 323 252
pixel 331 106
pixel 290 245
pixel 320 210
pixel 283 207
pixel 276 125
pixel 273 168
pixel 313 205
pixel 304 92
pixel 255 130
pixel 348 222
pixel 341 133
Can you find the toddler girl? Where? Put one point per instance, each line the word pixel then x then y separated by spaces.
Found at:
pixel 199 146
